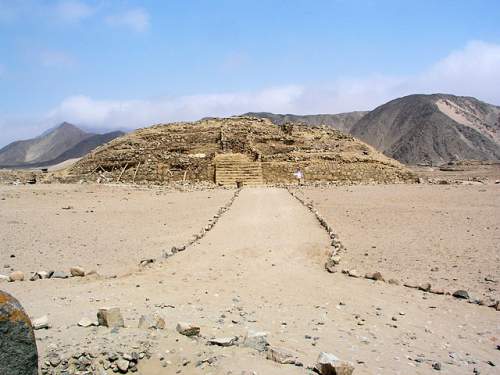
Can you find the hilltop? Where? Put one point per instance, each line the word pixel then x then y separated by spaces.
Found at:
pixel 56 145
pixel 435 129
pixel 340 121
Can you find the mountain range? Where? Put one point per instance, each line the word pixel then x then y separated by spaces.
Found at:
pixel 56 145
pixel 419 129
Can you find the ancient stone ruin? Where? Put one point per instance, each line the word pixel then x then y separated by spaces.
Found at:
pixel 236 151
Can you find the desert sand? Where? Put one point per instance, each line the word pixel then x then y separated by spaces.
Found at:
pixel 261 268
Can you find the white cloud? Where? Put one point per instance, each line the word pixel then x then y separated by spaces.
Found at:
pixel 137 113
pixel 135 19
pixel 56 59
pixel 73 10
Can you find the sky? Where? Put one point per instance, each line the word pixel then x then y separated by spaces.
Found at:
pixel 104 64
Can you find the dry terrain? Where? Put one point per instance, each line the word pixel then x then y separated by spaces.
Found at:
pixel 261 267
pixel 104 228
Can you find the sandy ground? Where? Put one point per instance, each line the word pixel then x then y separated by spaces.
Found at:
pixel 261 267
pixel 448 236
pixel 104 228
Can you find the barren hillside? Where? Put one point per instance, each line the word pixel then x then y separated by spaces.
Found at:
pixel 433 129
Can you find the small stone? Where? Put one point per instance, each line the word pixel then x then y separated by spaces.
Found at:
pixel 41 323
pixel 329 364
pixel 54 359
pixel 377 276
pixel 223 341
pixel 77 271
pixel 256 340
pixel 4 278
pixel 110 317
pixel 16 276
pixel 436 366
pixel 122 365
pixel 461 294
pixel 425 287
pixel 86 322
pixel 153 321
pixel 411 285
pixel 187 329
pixel 353 273
pixel 393 282
pixel 437 291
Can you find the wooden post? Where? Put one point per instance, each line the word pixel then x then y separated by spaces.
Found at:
pixel 135 173
pixel 123 171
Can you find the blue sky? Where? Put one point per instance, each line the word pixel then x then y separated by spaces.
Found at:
pixel 124 64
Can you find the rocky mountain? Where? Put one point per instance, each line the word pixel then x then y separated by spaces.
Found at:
pixel 435 129
pixel 340 121
pixel 63 142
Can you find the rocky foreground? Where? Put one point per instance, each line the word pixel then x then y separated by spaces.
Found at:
pixel 252 295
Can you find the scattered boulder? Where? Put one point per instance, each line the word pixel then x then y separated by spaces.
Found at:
pixel 329 364
pixel 461 294
pixel 86 322
pixel 18 351
pixel 188 329
pixel 411 285
pixel 393 282
pixel 425 287
pixel 77 271
pixel 122 365
pixel 41 323
pixel 145 262
pixel 110 317
pixel 377 276
pixel 152 321
pixel 59 275
pixel 4 278
pixel 16 276
pixel 330 266
pixel 223 341
pixel 283 356
pixel 437 291
pixel 256 340
pixel 353 273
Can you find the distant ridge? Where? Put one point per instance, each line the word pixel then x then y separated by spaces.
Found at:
pixel 433 129
pixel 63 142
pixel 340 121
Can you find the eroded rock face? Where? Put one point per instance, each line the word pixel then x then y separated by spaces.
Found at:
pixel 18 352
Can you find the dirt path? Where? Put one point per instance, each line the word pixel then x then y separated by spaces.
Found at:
pixel 261 268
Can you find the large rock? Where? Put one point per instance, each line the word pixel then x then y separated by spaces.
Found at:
pixel 328 364
pixel 110 317
pixel 18 352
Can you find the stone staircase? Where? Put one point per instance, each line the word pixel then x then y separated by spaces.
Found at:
pixel 234 169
